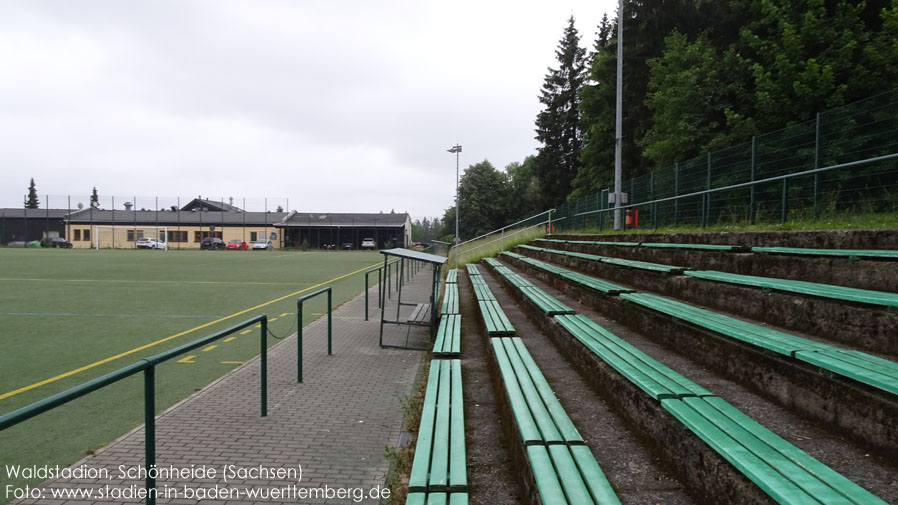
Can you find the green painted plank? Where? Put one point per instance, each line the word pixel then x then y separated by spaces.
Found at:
pixel 547 484
pixel 458 474
pixel 494 319
pixel 649 374
pixel 765 477
pixel 595 283
pixel 493 262
pixel 424 446
pixel 549 433
pixel 448 335
pixel 483 293
pixel 600 242
pixel 562 422
pixel 437 499
pixel 705 247
pixel 415 499
pixel 546 302
pixel 472 269
pixel 878 298
pixel 458 499
pixel 848 253
pixel 516 255
pixel 452 276
pixel 439 465
pixel 645 265
pixel 572 484
pixel 450 300
pixel 838 486
pixel 523 418
pixel 599 488
pixel 859 369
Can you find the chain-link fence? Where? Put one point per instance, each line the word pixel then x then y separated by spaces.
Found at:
pixel 845 161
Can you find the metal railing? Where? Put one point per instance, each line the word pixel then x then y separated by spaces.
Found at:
pixel 501 235
pixel 148 367
pixel 380 276
pixel 299 303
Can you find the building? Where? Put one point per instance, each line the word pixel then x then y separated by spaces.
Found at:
pixel 345 231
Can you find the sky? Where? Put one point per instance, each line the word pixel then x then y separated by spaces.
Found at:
pixel 332 106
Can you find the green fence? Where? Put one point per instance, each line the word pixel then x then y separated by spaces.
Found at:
pixel 845 161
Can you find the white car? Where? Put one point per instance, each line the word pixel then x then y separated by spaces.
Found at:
pixel 369 243
pixel 262 244
pixel 151 243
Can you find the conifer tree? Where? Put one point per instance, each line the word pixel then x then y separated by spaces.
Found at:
pixel 31 201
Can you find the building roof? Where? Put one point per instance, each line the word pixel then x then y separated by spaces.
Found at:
pixel 171 218
pixel 34 213
pixel 301 219
pixel 210 206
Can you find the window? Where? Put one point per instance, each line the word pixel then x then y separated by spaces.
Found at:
pixel 252 236
pixel 77 236
pixel 86 235
pixel 198 236
pixel 177 236
pixel 134 235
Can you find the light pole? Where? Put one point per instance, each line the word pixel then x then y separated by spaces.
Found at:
pixel 456 149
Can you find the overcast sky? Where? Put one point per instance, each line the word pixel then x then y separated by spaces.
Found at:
pixel 338 106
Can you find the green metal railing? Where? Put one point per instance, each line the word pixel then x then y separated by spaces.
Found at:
pixel 380 275
pixel 148 367
pixel 299 303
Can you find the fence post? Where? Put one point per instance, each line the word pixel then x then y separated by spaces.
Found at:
pixel 149 430
pixel 676 194
pixel 785 202
pixel 263 351
pixel 751 197
pixel 706 202
pixel 816 165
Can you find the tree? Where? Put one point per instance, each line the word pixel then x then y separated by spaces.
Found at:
pixel 523 190
pixel 482 196
pixel 95 199
pixel 32 201
pixel 558 124
pixel 280 209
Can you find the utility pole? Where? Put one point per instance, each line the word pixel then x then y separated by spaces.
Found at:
pixel 618 116
pixel 456 149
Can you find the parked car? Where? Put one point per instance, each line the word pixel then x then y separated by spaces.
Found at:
pixel 347 245
pixel 212 243
pixel 369 243
pixel 237 244
pixel 262 244
pixel 151 243
pixel 60 243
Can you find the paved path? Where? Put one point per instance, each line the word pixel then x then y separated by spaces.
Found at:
pixel 334 427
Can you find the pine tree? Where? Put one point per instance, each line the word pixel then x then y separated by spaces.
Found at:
pixel 558 125
pixel 95 199
pixel 31 201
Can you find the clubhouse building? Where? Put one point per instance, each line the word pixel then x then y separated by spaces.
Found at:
pixel 187 226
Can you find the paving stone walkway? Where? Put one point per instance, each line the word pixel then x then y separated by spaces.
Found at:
pixel 323 441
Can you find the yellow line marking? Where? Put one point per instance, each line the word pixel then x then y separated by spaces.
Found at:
pixel 188 359
pixel 229 339
pixel 285 314
pixel 114 281
pixel 231 362
pixel 318 313
pixel 170 337
pixel 258 325
pixel 209 348
pixel 246 332
pixel 273 319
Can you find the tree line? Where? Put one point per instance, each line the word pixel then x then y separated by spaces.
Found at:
pixel 699 76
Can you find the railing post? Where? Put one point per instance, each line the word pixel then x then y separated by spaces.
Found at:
pixel 751 198
pixel 785 202
pixel 263 355
pixel 329 322
pixel 380 274
pixel 299 341
pixel 816 165
pixel 366 294
pixel 706 212
pixel 149 415
pixel 676 194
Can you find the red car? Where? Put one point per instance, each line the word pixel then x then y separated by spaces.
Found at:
pixel 237 244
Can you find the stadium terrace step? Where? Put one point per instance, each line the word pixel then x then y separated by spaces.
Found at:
pixel 561 465
pixel 450 300
pixel 848 253
pixel 448 339
pixel 546 302
pixel 600 285
pixel 870 370
pixel 704 247
pixel 778 468
pixel 439 465
pixel 877 298
pixel 642 265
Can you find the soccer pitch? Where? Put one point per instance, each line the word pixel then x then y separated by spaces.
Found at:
pixel 68 316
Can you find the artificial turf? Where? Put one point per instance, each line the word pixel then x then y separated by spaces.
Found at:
pixel 62 310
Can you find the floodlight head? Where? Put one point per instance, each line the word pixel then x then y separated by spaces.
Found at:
pixel 454 149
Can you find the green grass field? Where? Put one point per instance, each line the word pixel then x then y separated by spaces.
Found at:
pixel 63 312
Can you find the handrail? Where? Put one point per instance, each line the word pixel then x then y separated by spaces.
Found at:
pixel 299 327
pixel 148 367
pixel 380 273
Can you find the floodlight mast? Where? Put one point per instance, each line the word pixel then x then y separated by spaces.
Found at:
pixel 618 119
pixel 456 149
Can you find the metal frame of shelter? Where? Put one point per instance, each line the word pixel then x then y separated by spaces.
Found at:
pixel 436 264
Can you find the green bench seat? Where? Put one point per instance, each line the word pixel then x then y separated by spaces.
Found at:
pixel 859 366
pixel 604 242
pixel 450 300
pixel 472 269
pixel 639 368
pixel 452 276
pixel 448 339
pixel 645 265
pixel 437 499
pixel 786 473
pixel 877 298
pixel 563 467
pixel 482 292
pixel 494 319
pixel 546 302
pixel 600 285
pixel 848 253
pixel 439 464
pixel 778 468
pixel 702 247
pixel 420 315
